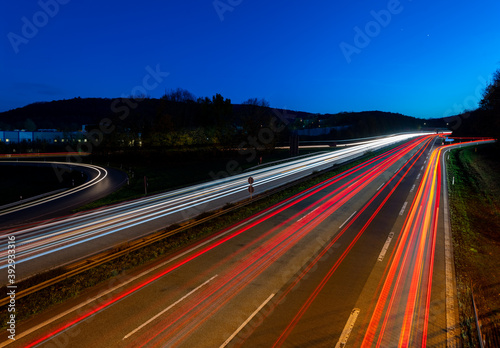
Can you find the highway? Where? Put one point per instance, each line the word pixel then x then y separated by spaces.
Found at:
pixel 51 243
pixel 361 259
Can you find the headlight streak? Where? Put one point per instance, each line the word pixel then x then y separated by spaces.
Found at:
pixel 94 233
pixel 238 179
pixel 91 224
pixel 291 235
pixel 234 180
pixel 86 231
pixel 101 175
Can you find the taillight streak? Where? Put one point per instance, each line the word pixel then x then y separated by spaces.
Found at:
pixel 390 159
pixel 332 270
pixel 257 262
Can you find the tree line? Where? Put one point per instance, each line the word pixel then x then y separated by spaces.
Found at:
pixel 485 120
pixel 179 120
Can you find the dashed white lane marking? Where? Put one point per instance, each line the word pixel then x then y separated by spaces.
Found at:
pixel 246 321
pixel 347 328
pixel 386 246
pixel 168 308
pixel 349 218
pixel 403 209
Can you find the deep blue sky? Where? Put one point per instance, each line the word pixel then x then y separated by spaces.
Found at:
pixel 427 60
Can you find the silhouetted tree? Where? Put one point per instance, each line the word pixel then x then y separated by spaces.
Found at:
pixel 485 121
pixel 255 115
pixel 491 95
pixel 179 95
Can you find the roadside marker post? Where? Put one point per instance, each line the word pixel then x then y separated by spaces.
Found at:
pixel 251 189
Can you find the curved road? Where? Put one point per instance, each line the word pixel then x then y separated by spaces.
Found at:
pixel 100 183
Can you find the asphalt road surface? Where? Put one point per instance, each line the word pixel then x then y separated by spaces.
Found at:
pixel 358 260
pixel 52 243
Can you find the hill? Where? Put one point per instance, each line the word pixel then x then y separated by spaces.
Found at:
pixel 181 122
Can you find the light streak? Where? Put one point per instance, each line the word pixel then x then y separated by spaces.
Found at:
pixel 403 301
pixel 332 270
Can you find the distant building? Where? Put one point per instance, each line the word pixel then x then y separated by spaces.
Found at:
pixel 51 136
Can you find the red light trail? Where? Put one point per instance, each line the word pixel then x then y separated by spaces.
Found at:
pixel 230 284
pixel 403 302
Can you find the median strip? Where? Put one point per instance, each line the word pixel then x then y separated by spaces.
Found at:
pixel 39 291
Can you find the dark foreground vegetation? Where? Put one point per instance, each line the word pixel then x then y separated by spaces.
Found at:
pixel 475 217
pixel 474 183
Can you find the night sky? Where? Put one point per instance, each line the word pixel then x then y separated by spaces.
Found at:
pixel 423 58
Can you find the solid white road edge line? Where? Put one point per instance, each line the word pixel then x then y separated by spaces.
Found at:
pixel 450 291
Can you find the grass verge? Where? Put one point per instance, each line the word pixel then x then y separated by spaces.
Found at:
pixel 474 182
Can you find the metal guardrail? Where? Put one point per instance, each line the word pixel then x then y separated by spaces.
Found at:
pixel 109 255
pixel 125 248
